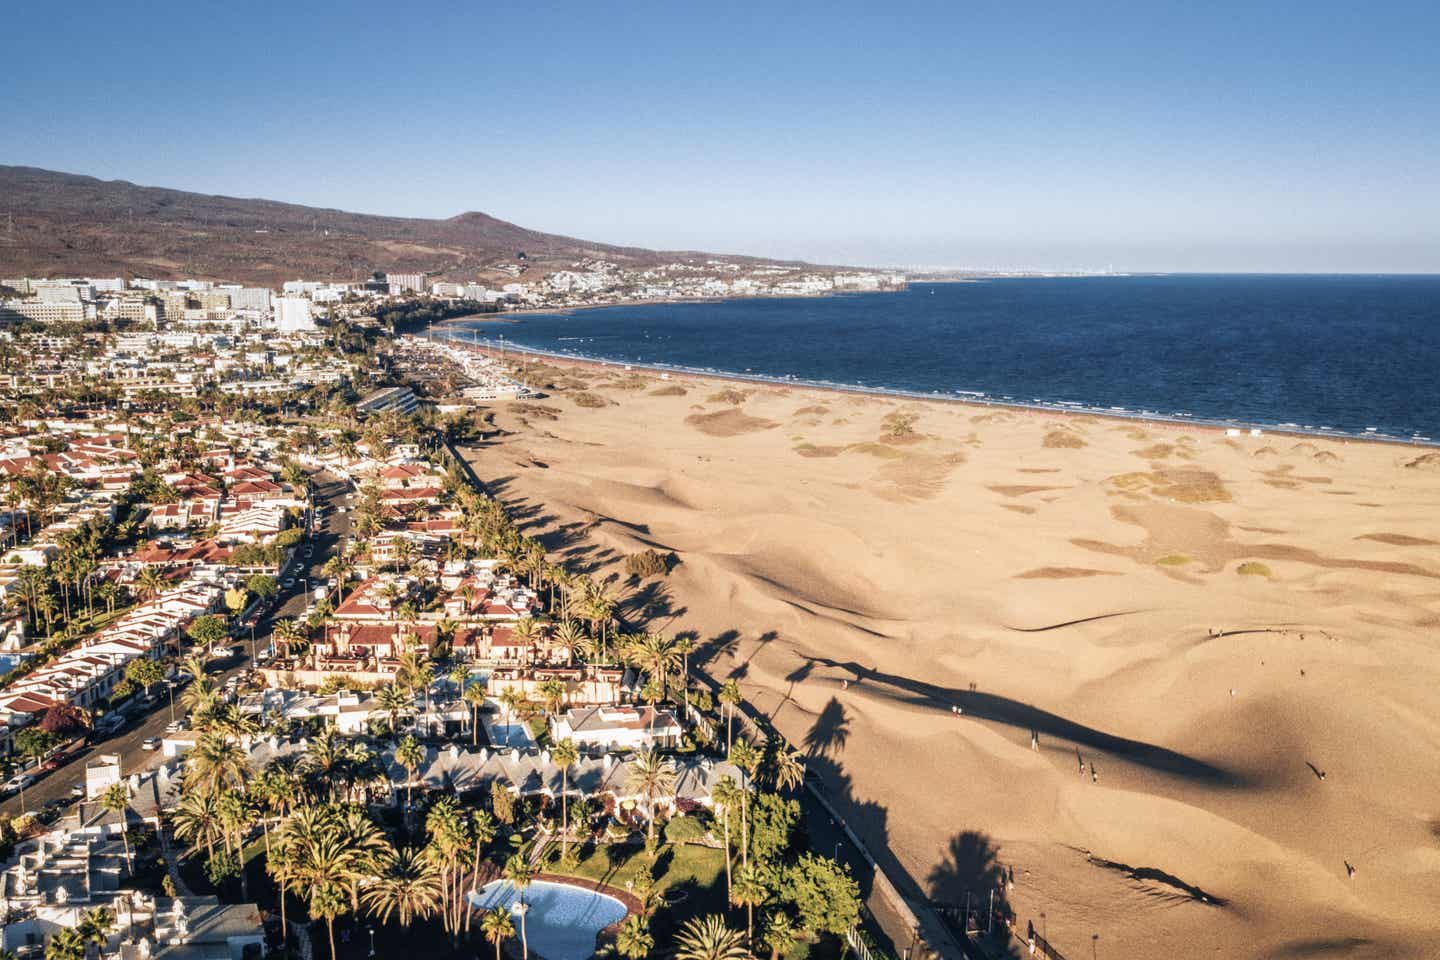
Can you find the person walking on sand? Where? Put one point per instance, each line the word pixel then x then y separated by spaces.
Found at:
pixel 1349 870
pixel 1094 774
pixel 1080 760
pixel 1035 740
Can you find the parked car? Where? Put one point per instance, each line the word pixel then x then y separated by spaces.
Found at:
pixel 150 743
pixel 17 783
pixel 77 792
pixel 222 653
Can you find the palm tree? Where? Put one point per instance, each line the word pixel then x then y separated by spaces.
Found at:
pixel 685 645
pixel 633 939
pixel 474 696
pixel 394 700
pixel 746 758
pixel 653 777
pixel 117 800
pixel 216 763
pixel 511 699
pixel 66 943
pixel 149 583
pixel 749 892
pixel 409 755
pixel 552 692
pixel 520 874
pixel 779 934
pixel 564 754
pixel 726 797
pixel 408 886
pixel 569 636
pixel 708 938
pixel 731 698
pixel 497 927
pixel 656 654
pixel 787 767
pixel 197 820
pixel 95 925
pixel 289 633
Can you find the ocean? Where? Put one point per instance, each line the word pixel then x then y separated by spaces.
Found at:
pixel 1351 355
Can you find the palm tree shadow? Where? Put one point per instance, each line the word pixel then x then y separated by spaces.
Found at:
pixel 830 732
pixel 988 706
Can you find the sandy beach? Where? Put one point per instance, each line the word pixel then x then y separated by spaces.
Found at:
pixel 1158 639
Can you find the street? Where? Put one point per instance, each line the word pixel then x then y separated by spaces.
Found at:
pixel 328 537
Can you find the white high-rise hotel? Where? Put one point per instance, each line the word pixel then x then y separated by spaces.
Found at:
pixel 293 314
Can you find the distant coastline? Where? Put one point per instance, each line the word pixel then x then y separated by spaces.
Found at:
pixel 1074 411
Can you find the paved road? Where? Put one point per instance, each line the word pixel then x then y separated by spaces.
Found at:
pixel 328 538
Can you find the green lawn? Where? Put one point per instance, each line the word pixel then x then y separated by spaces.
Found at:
pixel 689 878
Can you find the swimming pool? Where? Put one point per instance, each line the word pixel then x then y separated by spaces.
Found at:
pixel 508 735
pixel 562 920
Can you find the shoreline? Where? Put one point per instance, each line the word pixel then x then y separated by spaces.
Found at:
pixel 498 316
pixel 980 401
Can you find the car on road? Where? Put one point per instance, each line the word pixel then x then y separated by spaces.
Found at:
pixel 16 783
pixel 57 761
pixel 77 791
pixel 109 724
pixel 150 743
pixel 222 653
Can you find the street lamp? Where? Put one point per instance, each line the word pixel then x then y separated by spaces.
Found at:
pixel 372 940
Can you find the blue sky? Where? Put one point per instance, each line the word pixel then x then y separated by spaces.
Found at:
pixel 1150 136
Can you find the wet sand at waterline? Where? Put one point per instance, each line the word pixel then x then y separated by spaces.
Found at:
pixel 1196 618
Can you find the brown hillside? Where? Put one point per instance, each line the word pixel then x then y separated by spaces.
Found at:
pixel 57 224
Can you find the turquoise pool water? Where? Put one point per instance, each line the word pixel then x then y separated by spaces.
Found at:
pixel 563 920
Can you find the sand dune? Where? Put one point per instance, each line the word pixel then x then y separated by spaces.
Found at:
pixel 1198 632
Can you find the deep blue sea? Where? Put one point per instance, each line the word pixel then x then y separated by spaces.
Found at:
pixel 1347 354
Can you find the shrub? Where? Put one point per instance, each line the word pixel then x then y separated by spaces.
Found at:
pixel 673 390
pixel 1252 568
pixel 729 395
pixel 585 399
pixel 1062 439
pixel 1173 560
pixel 648 563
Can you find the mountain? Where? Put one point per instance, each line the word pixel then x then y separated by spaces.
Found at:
pixel 62 224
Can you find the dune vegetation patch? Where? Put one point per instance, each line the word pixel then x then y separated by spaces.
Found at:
pixel 1253 568
pixel 1063 440
pixel 899 425
pixel 649 563
pixel 875 450
pixel 1181 484
pixel 538 411
pixel 999 416
pixel 730 396
pixel 670 390
pixel 728 423
pixel 631 381
pixel 1062 573
pixel 814 410
pixel 1173 560
pixel 584 399
pixel 812 450
pixel 1156 451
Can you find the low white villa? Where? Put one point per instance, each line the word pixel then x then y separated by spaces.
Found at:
pixel 616 728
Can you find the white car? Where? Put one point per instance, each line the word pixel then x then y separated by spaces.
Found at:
pixel 17 783
pixel 150 743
